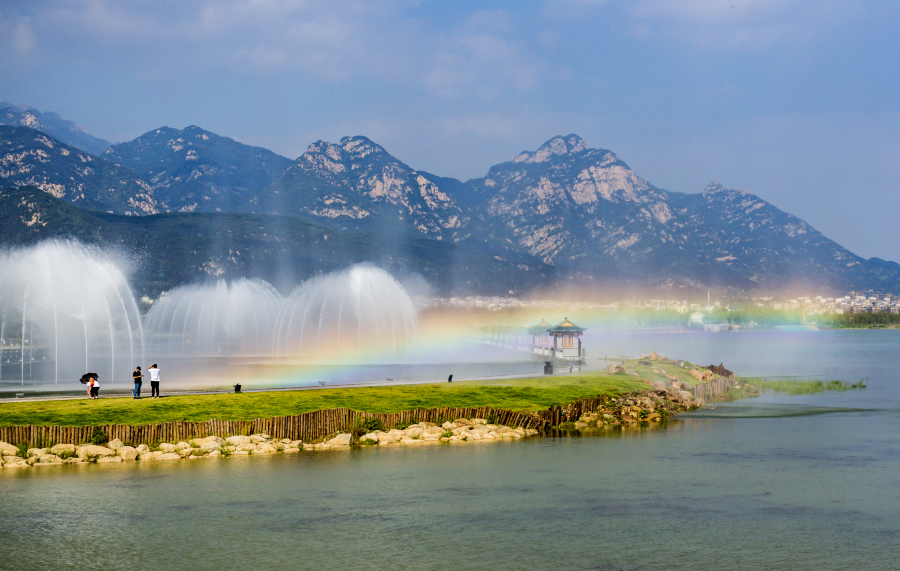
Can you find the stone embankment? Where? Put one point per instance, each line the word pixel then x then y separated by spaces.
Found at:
pixel 461 430
pixel 638 407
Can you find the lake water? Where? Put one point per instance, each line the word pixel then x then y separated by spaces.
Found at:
pixel 777 482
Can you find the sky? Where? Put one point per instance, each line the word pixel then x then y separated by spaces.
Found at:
pixel 795 101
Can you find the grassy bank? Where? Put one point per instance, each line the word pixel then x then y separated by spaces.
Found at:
pixel 516 394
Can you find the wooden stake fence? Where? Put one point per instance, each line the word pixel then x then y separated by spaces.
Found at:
pixel 713 388
pixel 307 427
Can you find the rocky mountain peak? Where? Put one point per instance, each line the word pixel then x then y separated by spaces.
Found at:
pixel 51 124
pixel 556 146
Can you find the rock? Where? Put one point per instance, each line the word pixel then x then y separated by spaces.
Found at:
pixel 241 452
pixel 50 459
pixel 277 445
pixel 182 445
pixel 214 454
pixel 127 453
pixel 291 450
pixel 654 356
pixel 295 444
pixel 185 452
pixel 654 416
pixel 581 425
pixel 17 464
pixel 109 459
pixel 265 448
pixel 62 448
pixel 372 437
pixel 7 449
pixel 341 440
pixel 323 446
pixel 614 368
pixel 115 444
pixel 35 452
pixel 412 432
pixel 686 396
pixel 94 450
pixel 462 422
pixel 247 447
pixel 143 449
pixel 309 446
pixel 448 425
pixel 285 440
pixel 257 438
pixel 477 421
pixel 210 447
pixel 168 456
pixel 73 460
pixel 238 440
pixel 201 442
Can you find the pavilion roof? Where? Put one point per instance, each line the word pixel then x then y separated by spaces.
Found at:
pixel 566 326
pixel 541 327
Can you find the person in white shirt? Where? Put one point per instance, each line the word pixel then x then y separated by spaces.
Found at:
pixel 93 388
pixel 154 381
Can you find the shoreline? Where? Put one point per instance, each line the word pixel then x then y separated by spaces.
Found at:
pixel 632 409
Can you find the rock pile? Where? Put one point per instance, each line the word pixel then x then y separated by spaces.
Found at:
pixel 640 406
pixel 461 430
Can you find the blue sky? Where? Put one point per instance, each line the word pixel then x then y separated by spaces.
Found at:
pixel 793 100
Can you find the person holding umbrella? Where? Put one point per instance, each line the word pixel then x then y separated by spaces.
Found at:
pixel 93 385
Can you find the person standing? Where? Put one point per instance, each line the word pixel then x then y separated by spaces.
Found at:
pixel 154 381
pixel 138 375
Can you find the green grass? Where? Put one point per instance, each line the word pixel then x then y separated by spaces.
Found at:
pixel 802 386
pixel 514 394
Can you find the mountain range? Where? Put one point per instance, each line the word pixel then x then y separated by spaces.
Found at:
pixel 563 213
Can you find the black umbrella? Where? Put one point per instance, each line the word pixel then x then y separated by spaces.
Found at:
pixel 85 378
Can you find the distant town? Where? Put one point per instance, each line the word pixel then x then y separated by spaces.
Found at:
pixel 851 303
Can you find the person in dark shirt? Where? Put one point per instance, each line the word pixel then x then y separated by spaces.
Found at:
pixel 138 375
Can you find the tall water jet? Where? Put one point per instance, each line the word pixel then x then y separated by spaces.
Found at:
pixel 65 308
pixel 359 313
pixel 217 319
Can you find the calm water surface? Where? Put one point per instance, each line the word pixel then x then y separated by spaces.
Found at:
pixel 774 483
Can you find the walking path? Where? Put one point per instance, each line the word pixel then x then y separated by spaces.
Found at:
pixel 123 392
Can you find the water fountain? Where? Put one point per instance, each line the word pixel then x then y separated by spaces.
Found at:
pixel 218 319
pixel 358 313
pixel 65 308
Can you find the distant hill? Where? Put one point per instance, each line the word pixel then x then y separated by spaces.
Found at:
pixel 52 124
pixel 582 212
pixel 192 170
pixel 30 157
pixel 177 248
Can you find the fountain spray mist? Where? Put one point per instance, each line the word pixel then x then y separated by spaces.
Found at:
pixel 66 308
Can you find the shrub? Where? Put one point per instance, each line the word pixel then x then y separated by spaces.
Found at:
pixel 99 437
pixel 447 434
pixel 363 426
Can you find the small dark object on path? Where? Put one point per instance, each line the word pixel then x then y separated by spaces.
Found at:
pixel 450 379
pixel 237 388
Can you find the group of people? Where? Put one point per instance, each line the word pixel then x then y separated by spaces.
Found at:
pixel 154 381
pixel 93 385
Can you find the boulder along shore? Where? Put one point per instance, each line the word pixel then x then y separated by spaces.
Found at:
pixel 629 410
